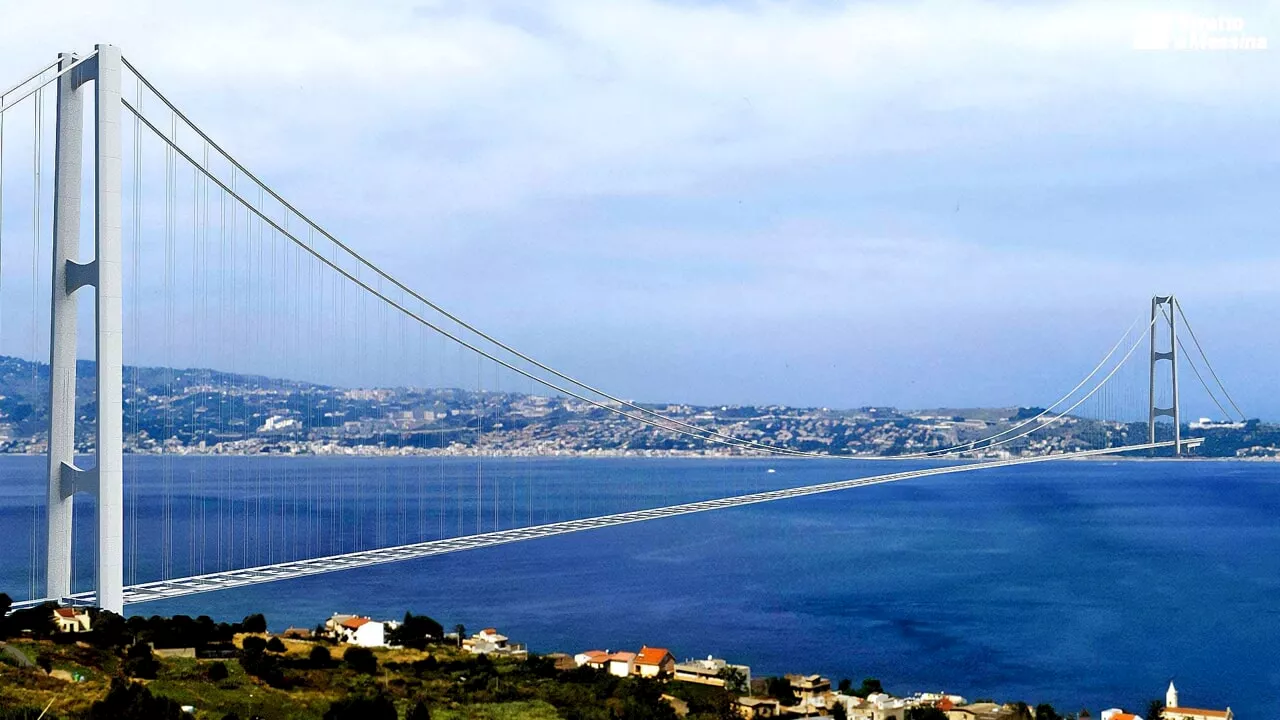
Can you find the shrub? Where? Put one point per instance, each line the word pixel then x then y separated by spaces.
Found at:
pixel 132 701
pixel 275 645
pixel 218 672
pixel 320 657
pixel 362 708
pixel 140 663
pixel 361 659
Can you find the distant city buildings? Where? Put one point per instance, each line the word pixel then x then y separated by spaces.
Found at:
pixel 190 411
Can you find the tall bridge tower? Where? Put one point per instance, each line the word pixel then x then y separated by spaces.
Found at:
pixel 1164 307
pixel 105 479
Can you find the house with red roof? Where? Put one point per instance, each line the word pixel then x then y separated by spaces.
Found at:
pixel 71 620
pixel 620 664
pixel 586 657
pixel 654 662
pixel 358 630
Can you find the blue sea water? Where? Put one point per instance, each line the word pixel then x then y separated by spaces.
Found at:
pixel 1085 584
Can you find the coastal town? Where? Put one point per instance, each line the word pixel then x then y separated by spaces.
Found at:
pixel 206 412
pixel 680 683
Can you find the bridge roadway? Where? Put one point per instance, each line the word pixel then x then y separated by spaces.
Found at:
pixel 165 589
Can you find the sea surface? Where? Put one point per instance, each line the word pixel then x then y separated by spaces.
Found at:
pixel 1088 584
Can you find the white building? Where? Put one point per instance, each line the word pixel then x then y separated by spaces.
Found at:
pixel 491 642
pixel 356 630
pixel 71 620
pixel 709 671
pixel 1174 711
pixel 621 664
pixel 877 706
pixel 276 423
pixel 1205 423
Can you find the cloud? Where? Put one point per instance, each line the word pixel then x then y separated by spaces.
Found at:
pixel 481 106
pixel 646 168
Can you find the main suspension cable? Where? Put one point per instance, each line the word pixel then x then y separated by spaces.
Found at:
pixel 1207 364
pixel 697 431
pixel 36 88
pixel 646 416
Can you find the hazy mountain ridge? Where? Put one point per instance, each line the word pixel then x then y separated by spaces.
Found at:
pixel 204 410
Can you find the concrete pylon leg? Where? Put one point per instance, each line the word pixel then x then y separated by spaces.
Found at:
pixel 106 479
pixel 68 178
pixel 110 333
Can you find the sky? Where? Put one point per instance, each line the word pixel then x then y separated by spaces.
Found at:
pixel 921 203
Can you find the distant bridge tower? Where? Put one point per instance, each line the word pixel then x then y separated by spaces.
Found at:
pixel 106 479
pixel 1164 306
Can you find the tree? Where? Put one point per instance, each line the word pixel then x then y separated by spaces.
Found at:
pixel 255 623
pixel 1155 709
pixel 38 620
pixel 6 602
pixel 839 711
pixel 735 681
pixel 320 657
pixel 870 686
pixel 275 645
pixel 779 688
pixel 1045 711
pixel 461 631
pixel 218 672
pixel 133 701
pixel 419 711
pixel 416 631
pixel 925 713
pixel 140 663
pixel 109 630
pixel 255 661
pixel 361 659
pixel 845 686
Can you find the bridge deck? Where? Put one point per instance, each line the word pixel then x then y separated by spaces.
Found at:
pixel 164 589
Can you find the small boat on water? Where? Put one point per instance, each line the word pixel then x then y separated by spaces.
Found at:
pixel 771 470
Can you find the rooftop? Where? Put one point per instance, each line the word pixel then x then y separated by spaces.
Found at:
pixel 1196 711
pixel 652 656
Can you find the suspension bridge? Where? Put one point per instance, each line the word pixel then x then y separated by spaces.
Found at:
pixel 198 263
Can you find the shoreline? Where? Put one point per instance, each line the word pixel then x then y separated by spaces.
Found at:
pixel 646 455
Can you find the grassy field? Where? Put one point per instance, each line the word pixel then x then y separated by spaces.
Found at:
pixel 186 681
pixel 452 684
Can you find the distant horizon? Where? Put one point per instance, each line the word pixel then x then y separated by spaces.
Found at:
pixel 943 410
